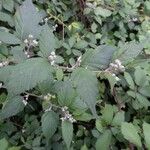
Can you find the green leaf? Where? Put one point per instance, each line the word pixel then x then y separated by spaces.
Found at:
pixel 130 133
pixel 143 100
pixel 47 41
pixel 14 148
pixel 12 107
pixel 8 38
pixel 27 20
pixel 128 51
pixel 8 5
pixel 129 80
pixel 5 73
pixel 50 122
pixel 65 92
pixel 99 58
pixel 7 18
pixel 99 11
pixel 140 77
pixel 4 144
pixel 145 91
pixel 87 87
pixel 18 54
pixel 59 74
pixel 99 126
pixel 118 118
pixel 67 132
pixel 107 113
pixel 104 141
pixel 28 74
pixel 146 131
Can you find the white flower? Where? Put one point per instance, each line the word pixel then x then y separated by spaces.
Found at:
pixel 30 36
pixel 46 19
pixel 26 41
pixel 25 102
pixel 0 42
pixel 35 42
pixel 1 85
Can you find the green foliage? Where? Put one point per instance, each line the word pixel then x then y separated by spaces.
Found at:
pixel 74 74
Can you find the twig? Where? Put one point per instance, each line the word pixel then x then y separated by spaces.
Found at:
pixel 56 18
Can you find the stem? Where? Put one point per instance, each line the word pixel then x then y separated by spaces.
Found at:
pixel 56 18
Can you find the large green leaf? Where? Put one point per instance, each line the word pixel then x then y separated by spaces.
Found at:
pixel 8 38
pixel 87 87
pixel 12 107
pixel 65 92
pixel 103 142
pixel 128 51
pixel 146 130
pixel 28 74
pixel 47 41
pixel 130 133
pixel 98 58
pixel 67 132
pixel 27 20
pixel 49 124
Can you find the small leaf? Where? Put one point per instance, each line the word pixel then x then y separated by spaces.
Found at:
pixel 50 122
pixel 99 126
pixel 143 100
pixel 118 118
pixel 12 107
pixel 145 91
pixel 102 12
pixel 4 144
pixel 129 80
pixel 103 142
pixel 67 132
pixel 146 131
pixel 9 38
pixel 140 77
pixel 47 41
pixel 59 74
pixel 8 5
pixel 130 133
pixel 107 113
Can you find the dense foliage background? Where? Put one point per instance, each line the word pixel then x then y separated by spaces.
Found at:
pixel 74 74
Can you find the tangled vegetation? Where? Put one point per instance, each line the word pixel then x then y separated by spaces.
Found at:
pixel 74 74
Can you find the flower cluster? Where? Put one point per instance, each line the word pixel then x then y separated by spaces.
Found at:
pixel 115 68
pixel 52 58
pixel 4 63
pixel 67 115
pixel 30 42
pixel 91 5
